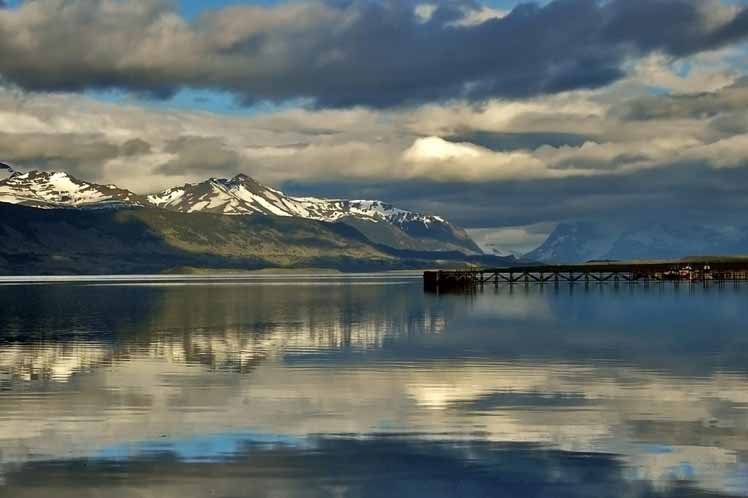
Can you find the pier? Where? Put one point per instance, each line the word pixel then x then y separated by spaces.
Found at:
pixel 690 271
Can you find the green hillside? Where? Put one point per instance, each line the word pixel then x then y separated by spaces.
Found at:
pixel 35 241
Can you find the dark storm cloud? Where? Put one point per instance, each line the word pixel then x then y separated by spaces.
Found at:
pixel 674 26
pixel 681 191
pixel 499 141
pixel 344 53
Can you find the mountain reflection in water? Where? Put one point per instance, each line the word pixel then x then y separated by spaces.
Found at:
pixel 368 387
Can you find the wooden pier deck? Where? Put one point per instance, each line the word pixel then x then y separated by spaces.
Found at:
pixel 693 271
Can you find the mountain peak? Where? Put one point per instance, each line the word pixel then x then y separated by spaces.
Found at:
pixel 242 179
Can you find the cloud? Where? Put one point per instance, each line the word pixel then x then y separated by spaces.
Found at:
pixel 479 15
pixel 495 164
pixel 437 149
pixel 201 155
pixel 687 190
pixel 508 141
pixel 424 12
pixel 79 154
pixel 677 27
pixel 348 53
pixel 135 147
pixel 706 72
pixel 703 105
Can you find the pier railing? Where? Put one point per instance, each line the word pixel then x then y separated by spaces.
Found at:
pixel 688 271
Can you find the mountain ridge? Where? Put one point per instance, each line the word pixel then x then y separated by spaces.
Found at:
pixel 243 195
pixel 381 222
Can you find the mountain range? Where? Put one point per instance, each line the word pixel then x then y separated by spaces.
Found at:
pixel 52 222
pixel 586 241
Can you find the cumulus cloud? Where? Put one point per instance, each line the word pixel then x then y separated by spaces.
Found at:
pixel 347 53
pixel 436 149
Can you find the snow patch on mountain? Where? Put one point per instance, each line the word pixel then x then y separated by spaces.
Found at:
pixel 43 189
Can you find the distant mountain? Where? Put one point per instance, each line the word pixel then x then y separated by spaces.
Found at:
pixel 43 189
pixel 381 222
pixel 585 241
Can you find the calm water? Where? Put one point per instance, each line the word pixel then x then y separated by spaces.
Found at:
pixel 365 387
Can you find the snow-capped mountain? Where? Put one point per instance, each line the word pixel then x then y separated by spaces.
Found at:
pixel 237 196
pixel 381 223
pixel 585 241
pixel 242 195
pixel 43 189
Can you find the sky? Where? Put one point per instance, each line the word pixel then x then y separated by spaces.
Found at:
pixel 507 118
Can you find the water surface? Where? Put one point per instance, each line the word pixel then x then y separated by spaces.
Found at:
pixel 364 386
